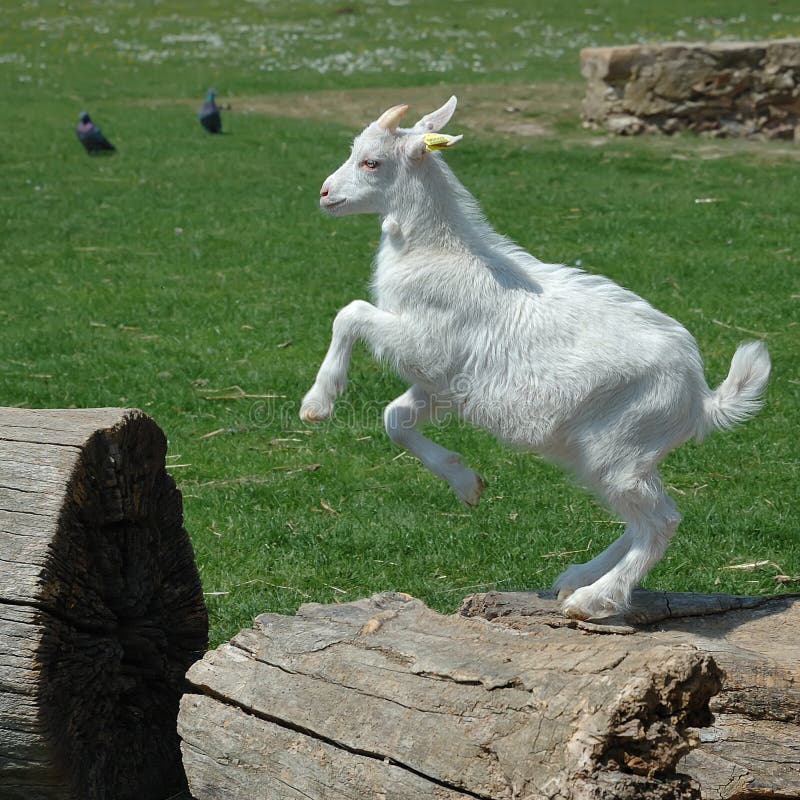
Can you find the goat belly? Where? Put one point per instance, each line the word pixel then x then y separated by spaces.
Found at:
pixel 526 416
pixel 528 387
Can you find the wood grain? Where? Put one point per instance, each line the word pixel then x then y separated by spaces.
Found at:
pixel 364 692
pixel 752 747
pixel 101 609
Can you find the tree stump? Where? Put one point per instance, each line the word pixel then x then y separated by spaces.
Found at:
pixel 385 698
pixel 101 608
pixel 752 748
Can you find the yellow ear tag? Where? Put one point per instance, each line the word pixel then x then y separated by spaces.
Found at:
pixel 440 141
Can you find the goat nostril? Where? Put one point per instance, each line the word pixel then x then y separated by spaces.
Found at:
pixel 323 192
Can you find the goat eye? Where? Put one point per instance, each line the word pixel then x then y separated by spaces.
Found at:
pixel 370 163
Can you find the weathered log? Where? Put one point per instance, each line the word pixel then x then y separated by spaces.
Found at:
pixel 386 698
pixel 752 748
pixel 101 608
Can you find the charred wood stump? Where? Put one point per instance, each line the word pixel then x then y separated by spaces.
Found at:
pixel 752 747
pixel 385 698
pixel 101 608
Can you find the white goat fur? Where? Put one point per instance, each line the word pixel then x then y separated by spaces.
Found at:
pixel 545 356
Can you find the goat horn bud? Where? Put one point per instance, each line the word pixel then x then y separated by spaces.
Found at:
pixel 390 118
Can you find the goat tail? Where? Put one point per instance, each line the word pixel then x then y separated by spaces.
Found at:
pixel 739 396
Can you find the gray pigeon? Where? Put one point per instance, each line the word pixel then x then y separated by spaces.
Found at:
pixel 209 115
pixel 91 137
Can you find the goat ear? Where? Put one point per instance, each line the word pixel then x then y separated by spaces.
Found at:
pixel 436 120
pixel 415 147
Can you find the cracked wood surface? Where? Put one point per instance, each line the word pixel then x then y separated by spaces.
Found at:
pixel 385 698
pixel 101 609
pixel 752 748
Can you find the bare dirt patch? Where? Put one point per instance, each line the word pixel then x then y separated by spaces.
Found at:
pixel 509 109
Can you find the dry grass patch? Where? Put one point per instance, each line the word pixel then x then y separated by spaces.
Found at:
pixel 508 109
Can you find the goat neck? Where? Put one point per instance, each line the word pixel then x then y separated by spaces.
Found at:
pixel 432 208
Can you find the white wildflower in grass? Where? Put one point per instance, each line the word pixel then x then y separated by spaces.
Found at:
pixel 205 39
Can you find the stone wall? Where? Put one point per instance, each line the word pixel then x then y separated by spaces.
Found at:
pixel 720 89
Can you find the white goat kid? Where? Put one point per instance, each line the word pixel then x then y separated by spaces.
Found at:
pixel 567 364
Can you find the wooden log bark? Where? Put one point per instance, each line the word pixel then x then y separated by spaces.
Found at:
pixel 752 747
pixel 101 608
pixel 386 698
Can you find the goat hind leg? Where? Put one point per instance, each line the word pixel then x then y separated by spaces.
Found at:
pixel 577 575
pixel 401 418
pixel 650 528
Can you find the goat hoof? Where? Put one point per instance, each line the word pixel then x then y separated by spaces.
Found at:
pixel 314 411
pixel 563 592
pixel 573 609
pixel 573 577
pixel 585 604
pixel 575 613
pixel 470 489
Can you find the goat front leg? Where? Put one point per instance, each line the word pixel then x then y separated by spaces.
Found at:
pixel 401 418
pixel 357 320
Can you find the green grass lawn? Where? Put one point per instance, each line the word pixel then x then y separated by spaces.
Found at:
pixel 193 277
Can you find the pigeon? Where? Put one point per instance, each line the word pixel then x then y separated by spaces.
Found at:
pixel 91 137
pixel 209 115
